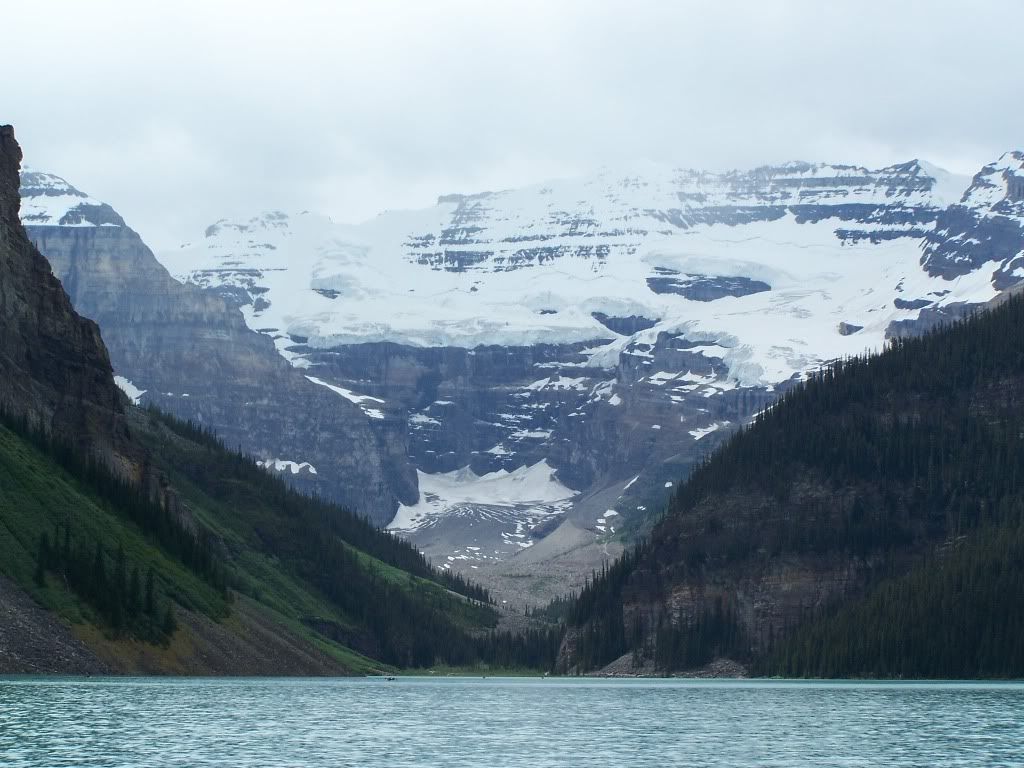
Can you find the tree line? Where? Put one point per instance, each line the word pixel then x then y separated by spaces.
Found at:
pixel 192 547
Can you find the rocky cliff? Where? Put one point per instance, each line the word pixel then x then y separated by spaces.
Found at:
pixel 56 371
pixel 190 352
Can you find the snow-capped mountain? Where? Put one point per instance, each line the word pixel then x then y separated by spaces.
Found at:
pixel 48 200
pixel 984 228
pixel 191 353
pixel 549 359
pixel 552 263
pixel 612 328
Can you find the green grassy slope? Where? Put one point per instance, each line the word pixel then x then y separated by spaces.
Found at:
pixel 265 551
pixel 38 497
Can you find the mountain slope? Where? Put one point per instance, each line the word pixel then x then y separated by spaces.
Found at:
pixel 188 352
pixel 161 551
pixel 871 511
pixel 955 615
pixel 613 328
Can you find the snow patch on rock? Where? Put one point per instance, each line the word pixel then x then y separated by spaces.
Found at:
pixel 134 393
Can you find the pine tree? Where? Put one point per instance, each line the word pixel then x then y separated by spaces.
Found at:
pixel 170 624
pixel 98 583
pixel 150 597
pixel 43 561
pixel 134 594
pixel 121 574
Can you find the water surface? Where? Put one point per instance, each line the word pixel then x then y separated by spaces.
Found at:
pixel 484 723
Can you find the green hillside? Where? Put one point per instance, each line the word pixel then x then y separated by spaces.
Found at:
pixel 129 572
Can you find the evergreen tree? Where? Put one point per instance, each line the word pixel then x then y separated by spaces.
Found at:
pixel 169 624
pixel 98 584
pixel 43 560
pixel 150 596
pixel 120 579
pixel 134 594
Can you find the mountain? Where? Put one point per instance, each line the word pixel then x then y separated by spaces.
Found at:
pixel 869 524
pixel 579 345
pixel 56 370
pixel 190 353
pixel 132 541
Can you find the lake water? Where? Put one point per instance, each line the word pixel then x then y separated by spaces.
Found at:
pixel 484 723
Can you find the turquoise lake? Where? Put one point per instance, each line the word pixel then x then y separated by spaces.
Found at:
pixel 454 722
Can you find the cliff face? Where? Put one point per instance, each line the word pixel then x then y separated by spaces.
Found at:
pixel 740 548
pixel 492 411
pixel 56 370
pixel 189 352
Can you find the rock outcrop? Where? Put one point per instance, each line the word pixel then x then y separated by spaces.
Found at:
pixel 56 371
pixel 190 352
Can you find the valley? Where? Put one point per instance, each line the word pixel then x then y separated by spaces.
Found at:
pixel 526 405
pixel 502 384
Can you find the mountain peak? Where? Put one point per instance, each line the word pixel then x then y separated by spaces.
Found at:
pixel 39 183
pixel 1000 183
pixel 10 162
pixel 49 200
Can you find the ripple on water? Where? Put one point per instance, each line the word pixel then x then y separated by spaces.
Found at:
pixel 454 722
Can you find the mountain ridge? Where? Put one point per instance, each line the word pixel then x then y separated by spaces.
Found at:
pixel 669 307
pixel 190 353
pixel 501 329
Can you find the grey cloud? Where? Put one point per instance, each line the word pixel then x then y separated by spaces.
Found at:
pixel 180 116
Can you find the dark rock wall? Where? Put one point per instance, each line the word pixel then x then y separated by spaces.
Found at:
pixel 55 367
pixel 195 357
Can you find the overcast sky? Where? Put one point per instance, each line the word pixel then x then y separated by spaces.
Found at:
pixel 199 110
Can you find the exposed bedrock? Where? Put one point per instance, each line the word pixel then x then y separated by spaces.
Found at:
pixel 193 356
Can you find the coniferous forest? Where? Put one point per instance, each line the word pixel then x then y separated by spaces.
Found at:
pixel 906 467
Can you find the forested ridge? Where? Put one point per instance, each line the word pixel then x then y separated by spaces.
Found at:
pixel 903 471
